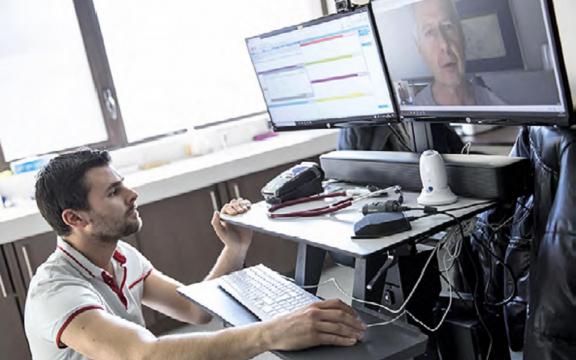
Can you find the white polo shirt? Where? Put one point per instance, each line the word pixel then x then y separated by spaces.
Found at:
pixel 68 284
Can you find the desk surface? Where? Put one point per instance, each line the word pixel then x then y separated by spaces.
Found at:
pixel 389 342
pixel 334 232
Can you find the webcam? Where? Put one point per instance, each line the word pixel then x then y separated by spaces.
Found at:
pixel 343 5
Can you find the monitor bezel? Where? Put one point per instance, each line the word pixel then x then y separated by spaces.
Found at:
pixel 328 123
pixel 511 118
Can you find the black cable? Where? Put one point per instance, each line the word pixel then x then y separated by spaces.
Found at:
pixel 434 210
pixel 507 300
pixel 468 206
pixel 522 205
pixel 396 206
pixel 412 218
pixel 477 277
pixel 451 265
pixel 510 297
pixel 475 298
pixel 490 274
pixel 508 268
pixel 453 288
pixel 400 138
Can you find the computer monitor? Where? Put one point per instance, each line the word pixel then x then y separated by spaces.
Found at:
pixel 324 72
pixel 480 61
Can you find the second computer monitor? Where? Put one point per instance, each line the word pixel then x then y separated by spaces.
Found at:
pixel 323 72
pixel 474 60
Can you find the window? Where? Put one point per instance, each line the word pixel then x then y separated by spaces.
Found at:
pixel 144 68
pixel 181 63
pixel 48 103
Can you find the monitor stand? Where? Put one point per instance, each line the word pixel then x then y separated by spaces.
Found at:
pixel 422 136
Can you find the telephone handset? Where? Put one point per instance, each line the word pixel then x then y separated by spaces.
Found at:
pixel 300 180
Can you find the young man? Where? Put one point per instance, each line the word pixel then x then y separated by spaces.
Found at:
pixel 85 300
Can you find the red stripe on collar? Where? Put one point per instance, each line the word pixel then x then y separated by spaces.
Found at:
pixel 76 261
pixel 109 280
pixel 119 257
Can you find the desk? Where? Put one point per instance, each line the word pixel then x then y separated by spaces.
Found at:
pixel 333 233
pixel 390 342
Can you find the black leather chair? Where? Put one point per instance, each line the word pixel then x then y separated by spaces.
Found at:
pixel 540 248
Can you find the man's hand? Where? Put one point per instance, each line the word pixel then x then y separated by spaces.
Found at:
pixel 329 322
pixel 233 237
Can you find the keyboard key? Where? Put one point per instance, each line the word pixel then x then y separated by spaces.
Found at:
pixel 265 292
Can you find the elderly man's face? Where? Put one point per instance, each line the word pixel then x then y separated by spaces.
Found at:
pixel 440 40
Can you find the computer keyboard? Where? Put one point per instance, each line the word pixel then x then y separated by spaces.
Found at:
pixel 265 292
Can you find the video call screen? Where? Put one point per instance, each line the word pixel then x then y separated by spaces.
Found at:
pixel 467 56
pixel 328 70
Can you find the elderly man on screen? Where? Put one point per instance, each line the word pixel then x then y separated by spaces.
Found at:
pixel 440 41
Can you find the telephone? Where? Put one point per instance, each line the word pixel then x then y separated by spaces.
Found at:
pixel 300 180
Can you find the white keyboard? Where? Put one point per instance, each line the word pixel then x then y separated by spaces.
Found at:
pixel 265 292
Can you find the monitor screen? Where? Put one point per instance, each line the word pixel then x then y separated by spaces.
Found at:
pixel 473 60
pixel 323 72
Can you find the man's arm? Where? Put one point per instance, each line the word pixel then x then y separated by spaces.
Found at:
pixel 160 290
pixel 160 294
pixel 99 335
pixel 236 240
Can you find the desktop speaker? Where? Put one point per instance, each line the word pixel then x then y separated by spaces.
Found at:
pixel 475 176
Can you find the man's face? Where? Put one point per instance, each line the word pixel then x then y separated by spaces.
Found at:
pixel 113 212
pixel 440 40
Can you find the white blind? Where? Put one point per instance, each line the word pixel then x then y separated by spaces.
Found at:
pixel 46 90
pixel 178 63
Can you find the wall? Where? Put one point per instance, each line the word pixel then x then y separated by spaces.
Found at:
pixel 403 61
pixel 20 188
pixel 406 61
pixel 531 31
pixel 507 84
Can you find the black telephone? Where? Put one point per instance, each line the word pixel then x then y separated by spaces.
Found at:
pixel 300 180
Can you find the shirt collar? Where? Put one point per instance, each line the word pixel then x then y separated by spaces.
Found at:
pixel 82 263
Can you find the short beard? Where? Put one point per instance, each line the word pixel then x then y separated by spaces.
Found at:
pixel 106 236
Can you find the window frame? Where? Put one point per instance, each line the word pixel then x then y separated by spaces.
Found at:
pixel 101 76
pixel 103 82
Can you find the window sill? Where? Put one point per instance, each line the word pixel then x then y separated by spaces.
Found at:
pixel 190 174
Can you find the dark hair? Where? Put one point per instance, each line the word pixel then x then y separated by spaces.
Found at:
pixel 61 185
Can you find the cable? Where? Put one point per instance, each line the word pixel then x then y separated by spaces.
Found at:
pixel 401 308
pixel 510 272
pixel 401 311
pixel 466 148
pixel 412 218
pixel 400 314
pixel 497 258
pixel 475 302
pixel 448 282
pixel 387 322
pixel 400 138
pixel 476 273
pixel 457 247
pixel 469 206
pixel 443 318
